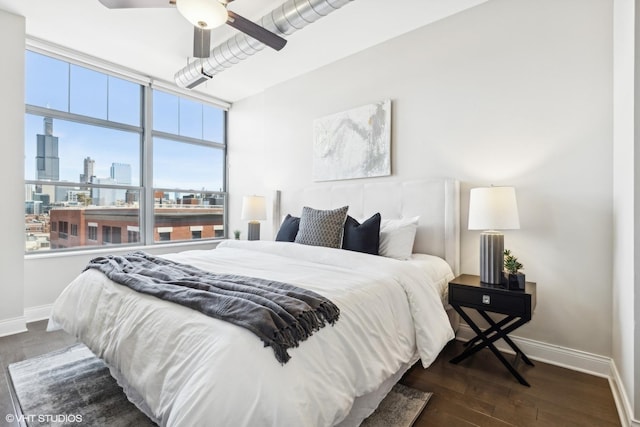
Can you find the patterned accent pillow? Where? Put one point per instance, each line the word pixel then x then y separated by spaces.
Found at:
pixel 322 228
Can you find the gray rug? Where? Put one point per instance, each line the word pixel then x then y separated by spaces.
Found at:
pixel 74 387
pixel 400 408
pixel 70 385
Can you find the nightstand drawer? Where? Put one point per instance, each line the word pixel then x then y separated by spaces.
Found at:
pixel 489 300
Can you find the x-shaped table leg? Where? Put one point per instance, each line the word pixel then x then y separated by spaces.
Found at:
pixel 506 338
pixel 488 341
pixel 494 327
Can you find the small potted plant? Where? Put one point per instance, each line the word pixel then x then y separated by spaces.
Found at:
pixel 236 234
pixel 515 279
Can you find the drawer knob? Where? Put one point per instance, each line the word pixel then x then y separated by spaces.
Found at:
pixel 486 299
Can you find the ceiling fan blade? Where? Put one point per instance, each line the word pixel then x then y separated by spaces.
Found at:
pixel 254 30
pixel 126 4
pixel 201 42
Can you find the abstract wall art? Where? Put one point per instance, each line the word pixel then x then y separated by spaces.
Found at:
pixel 353 144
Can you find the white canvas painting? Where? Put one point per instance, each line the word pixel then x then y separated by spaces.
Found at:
pixel 353 144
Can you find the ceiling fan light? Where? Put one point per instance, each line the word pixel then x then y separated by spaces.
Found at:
pixel 204 14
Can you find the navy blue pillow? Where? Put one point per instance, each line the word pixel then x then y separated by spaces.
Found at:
pixel 288 229
pixel 363 237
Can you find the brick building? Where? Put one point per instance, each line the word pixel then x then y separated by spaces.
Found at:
pixel 97 226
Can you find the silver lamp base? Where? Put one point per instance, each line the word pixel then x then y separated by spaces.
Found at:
pixel 491 257
pixel 254 231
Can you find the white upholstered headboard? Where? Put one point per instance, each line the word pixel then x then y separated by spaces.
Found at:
pixel 436 201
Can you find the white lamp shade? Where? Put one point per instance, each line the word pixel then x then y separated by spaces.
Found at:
pixel 254 208
pixel 493 208
pixel 204 14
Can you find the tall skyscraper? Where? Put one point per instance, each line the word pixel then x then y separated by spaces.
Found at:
pixel 47 160
pixel 89 165
pixel 121 173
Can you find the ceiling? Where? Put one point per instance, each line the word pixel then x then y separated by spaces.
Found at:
pixel 158 42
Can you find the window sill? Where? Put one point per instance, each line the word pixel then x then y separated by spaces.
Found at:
pixel 123 249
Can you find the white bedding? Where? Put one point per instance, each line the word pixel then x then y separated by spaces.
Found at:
pixel 198 371
pixel 437 272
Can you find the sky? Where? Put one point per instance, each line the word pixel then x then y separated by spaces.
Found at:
pixel 55 84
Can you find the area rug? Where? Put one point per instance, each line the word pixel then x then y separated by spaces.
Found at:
pixel 74 387
pixel 400 408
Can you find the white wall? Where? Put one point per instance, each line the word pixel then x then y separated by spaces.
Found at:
pixel 626 196
pixel 512 92
pixel 46 275
pixel 12 30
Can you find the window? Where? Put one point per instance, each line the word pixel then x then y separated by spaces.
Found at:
pixel 85 157
pixel 92 232
pixel 63 229
pixel 86 154
pixel 188 166
pixel 116 235
pixel 196 234
pixel 61 86
pixel 133 236
pixel 106 234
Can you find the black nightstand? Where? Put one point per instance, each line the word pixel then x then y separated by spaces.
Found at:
pixel 467 291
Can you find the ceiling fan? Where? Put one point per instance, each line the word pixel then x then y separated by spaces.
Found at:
pixel 205 15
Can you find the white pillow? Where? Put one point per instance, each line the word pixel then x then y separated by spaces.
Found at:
pixel 397 236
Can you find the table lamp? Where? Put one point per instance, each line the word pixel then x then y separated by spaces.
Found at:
pixel 254 210
pixel 492 209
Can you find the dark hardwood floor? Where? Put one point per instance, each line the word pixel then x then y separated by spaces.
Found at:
pixel 477 392
pixel 481 392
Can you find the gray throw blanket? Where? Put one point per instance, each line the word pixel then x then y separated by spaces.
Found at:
pixel 281 315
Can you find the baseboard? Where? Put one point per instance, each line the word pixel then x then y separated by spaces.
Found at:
pixel 41 312
pixel 19 324
pixel 553 354
pixel 13 326
pixel 625 409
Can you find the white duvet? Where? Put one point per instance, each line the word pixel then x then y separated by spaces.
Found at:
pixel 193 370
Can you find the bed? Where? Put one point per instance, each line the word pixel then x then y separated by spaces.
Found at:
pixel 181 367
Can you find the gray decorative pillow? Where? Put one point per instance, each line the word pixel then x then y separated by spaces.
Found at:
pixel 322 228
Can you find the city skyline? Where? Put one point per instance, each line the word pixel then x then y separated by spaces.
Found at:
pixel 176 165
pixel 61 86
pixel 47 161
pixel 72 150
